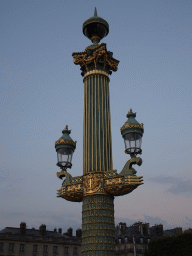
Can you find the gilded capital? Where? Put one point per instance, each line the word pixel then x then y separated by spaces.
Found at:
pixel 96 57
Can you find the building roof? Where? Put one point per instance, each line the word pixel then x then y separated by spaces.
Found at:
pixel 10 232
pixel 129 232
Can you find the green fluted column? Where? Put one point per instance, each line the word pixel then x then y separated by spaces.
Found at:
pixel 97 149
pixel 98 229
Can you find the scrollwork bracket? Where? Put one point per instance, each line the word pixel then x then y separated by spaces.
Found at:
pixel 127 169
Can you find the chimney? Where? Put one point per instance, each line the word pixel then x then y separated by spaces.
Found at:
pixel 70 231
pixel 122 227
pixel 42 229
pixel 60 230
pixel 79 232
pixel 23 228
pixel 141 228
pixel 145 229
pixel 55 230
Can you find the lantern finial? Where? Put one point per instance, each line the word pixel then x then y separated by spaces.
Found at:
pixel 130 113
pixel 65 130
pixel 95 12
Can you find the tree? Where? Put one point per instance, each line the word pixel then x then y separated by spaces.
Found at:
pixel 178 245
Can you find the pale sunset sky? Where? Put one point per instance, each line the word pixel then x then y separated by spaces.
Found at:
pixel 41 91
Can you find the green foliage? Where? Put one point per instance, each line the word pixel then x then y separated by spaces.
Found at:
pixel 178 245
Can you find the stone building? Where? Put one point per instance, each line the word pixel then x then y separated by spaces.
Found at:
pixel 173 231
pixel 133 240
pixel 189 231
pixel 156 231
pixel 39 242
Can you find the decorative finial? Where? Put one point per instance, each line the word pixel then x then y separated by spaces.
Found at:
pixel 65 130
pixel 95 12
pixel 130 113
pixel 95 26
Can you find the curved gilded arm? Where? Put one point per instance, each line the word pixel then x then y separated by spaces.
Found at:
pixel 127 169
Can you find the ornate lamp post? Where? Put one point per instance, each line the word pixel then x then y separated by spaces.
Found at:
pixel 99 183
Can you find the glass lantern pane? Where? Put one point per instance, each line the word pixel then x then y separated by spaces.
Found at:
pixel 65 151
pixel 129 139
pixel 132 145
pixel 64 156
pixel 70 158
pixel 133 142
pixel 130 136
pixel 138 141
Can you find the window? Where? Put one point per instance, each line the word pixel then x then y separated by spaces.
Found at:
pixel 54 249
pixel 22 247
pixel 119 240
pixel 125 239
pixel 118 250
pixel 34 248
pixel 45 248
pixel 141 240
pixel 66 250
pixel 11 247
pixel 75 250
pixel 1 246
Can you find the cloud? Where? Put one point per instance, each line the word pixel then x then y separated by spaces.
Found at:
pixel 178 186
pixel 128 221
pixel 187 223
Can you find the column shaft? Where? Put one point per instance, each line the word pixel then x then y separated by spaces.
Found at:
pixel 97 148
pixel 98 229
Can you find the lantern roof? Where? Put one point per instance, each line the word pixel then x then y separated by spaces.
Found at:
pixel 65 140
pixel 132 125
pixel 131 117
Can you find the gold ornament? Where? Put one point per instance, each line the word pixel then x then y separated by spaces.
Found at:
pixel 91 184
pixel 127 125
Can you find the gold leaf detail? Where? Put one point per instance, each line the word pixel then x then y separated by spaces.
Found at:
pixel 127 125
pixel 113 181
pixel 62 140
pixel 91 183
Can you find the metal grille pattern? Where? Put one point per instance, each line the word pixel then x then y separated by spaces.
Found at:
pixel 98 228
